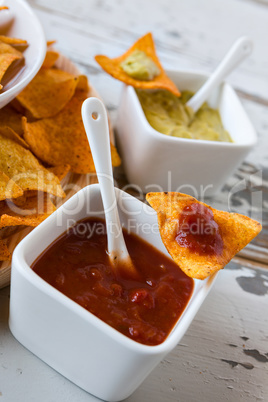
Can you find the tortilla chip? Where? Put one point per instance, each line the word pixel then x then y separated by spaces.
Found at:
pixel 145 44
pixel 116 160
pixel 33 202
pixel 50 59
pixel 3 8
pixel 60 171
pixel 33 220
pixel 7 56
pixel 26 195
pixel 62 139
pixel 6 49
pixel 4 253
pixel 82 84
pixel 12 41
pixel 51 42
pixel 236 232
pixel 20 165
pixel 48 92
pixel 11 118
pixel 8 188
pixel 26 211
pixel 17 107
pixel 9 133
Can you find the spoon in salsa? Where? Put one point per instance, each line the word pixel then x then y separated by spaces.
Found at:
pixel 238 52
pixel 97 129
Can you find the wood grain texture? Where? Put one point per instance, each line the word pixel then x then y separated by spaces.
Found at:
pixel 191 34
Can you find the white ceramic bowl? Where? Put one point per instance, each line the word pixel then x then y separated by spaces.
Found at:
pixel 25 25
pixel 157 162
pixel 73 341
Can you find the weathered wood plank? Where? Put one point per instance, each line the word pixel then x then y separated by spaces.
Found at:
pixel 193 34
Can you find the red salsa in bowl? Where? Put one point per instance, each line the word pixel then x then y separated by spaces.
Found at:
pixel 145 310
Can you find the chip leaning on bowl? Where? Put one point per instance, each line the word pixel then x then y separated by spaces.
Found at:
pixel 42 138
pixel 162 103
pixel 149 74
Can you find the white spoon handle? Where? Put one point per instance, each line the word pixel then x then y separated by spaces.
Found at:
pixel 238 52
pixel 96 125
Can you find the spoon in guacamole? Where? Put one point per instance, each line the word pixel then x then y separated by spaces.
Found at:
pixel 97 129
pixel 189 116
pixel 238 52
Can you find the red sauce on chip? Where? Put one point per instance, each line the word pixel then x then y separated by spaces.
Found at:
pixel 198 231
pixel 144 310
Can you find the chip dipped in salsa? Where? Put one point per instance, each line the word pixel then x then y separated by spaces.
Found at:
pixel 144 309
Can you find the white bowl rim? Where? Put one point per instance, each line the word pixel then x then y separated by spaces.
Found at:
pixel 169 139
pixel 12 92
pixel 167 345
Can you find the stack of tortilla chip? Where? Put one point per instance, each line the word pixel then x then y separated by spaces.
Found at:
pixel 53 127
pixel 42 137
pixel 11 56
pixel 25 184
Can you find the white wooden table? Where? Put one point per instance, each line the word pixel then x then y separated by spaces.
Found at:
pixel 224 354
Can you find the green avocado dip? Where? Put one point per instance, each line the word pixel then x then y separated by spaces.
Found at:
pixel 169 115
pixel 140 66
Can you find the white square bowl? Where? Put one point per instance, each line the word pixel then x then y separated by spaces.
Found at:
pixel 66 336
pixel 157 162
